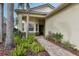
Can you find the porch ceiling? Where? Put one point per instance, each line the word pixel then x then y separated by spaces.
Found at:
pixel 30 11
pixel 37 16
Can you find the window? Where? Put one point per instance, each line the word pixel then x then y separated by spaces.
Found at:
pixel 31 27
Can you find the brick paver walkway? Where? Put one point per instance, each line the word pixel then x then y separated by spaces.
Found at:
pixel 53 49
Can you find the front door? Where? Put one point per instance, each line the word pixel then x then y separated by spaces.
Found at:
pixel 41 29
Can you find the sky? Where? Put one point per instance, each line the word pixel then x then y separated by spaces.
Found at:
pixel 31 5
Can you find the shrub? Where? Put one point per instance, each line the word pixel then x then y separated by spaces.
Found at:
pixel 21 48
pixel 57 36
pixel 23 45
pixel 19 51
pixel 31 38
pixel 17 39
pixel 35 47
pixel 67 44
pixel 31 34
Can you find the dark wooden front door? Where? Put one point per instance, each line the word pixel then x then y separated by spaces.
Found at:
pixel 41 29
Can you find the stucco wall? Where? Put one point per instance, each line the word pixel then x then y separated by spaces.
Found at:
pixel 66 22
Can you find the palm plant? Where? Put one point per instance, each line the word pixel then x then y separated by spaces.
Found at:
pixel 27 6
pixel 21 5
pixel 9 26
pixel 1 21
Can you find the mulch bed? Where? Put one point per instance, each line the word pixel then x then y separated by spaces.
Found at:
pixel 43 53
pixel 30 53
pixel 4 52
pixel 72 50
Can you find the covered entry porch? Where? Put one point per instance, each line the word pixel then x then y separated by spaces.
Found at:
pixel 32 23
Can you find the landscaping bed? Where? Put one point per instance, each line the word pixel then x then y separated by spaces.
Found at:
pixel 28 47
pixel 72 50
pixel 29 53
pixel 56 38
pixel 43 53
pixel 24 47
pixel 4 52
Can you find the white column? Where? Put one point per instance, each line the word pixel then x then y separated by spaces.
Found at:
pixel 27 25
pixel 20 22
pixel 34 27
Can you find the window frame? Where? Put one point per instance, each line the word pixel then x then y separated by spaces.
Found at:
pixel 31 27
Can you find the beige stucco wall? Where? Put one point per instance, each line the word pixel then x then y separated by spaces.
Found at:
pixel 66 22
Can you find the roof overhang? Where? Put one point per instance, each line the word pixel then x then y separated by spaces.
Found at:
pixel 62 6
pixel 33 10
pixel 36 14
pixel 31 13
pixel 42 6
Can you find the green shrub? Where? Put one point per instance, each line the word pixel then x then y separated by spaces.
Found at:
pixel 19 51
pixel 17 39
pixel 57 36
pixel 67 44
pixel 54 36
pixel 23 45
pixel 31 38
pixel 32 34
pixel 35 47
pixel 21 48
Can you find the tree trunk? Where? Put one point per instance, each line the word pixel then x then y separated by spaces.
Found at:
pixel 9 26
pixel 1 22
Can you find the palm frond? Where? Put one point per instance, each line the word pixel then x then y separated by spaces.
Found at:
pixel 21 5
pixel 28 6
